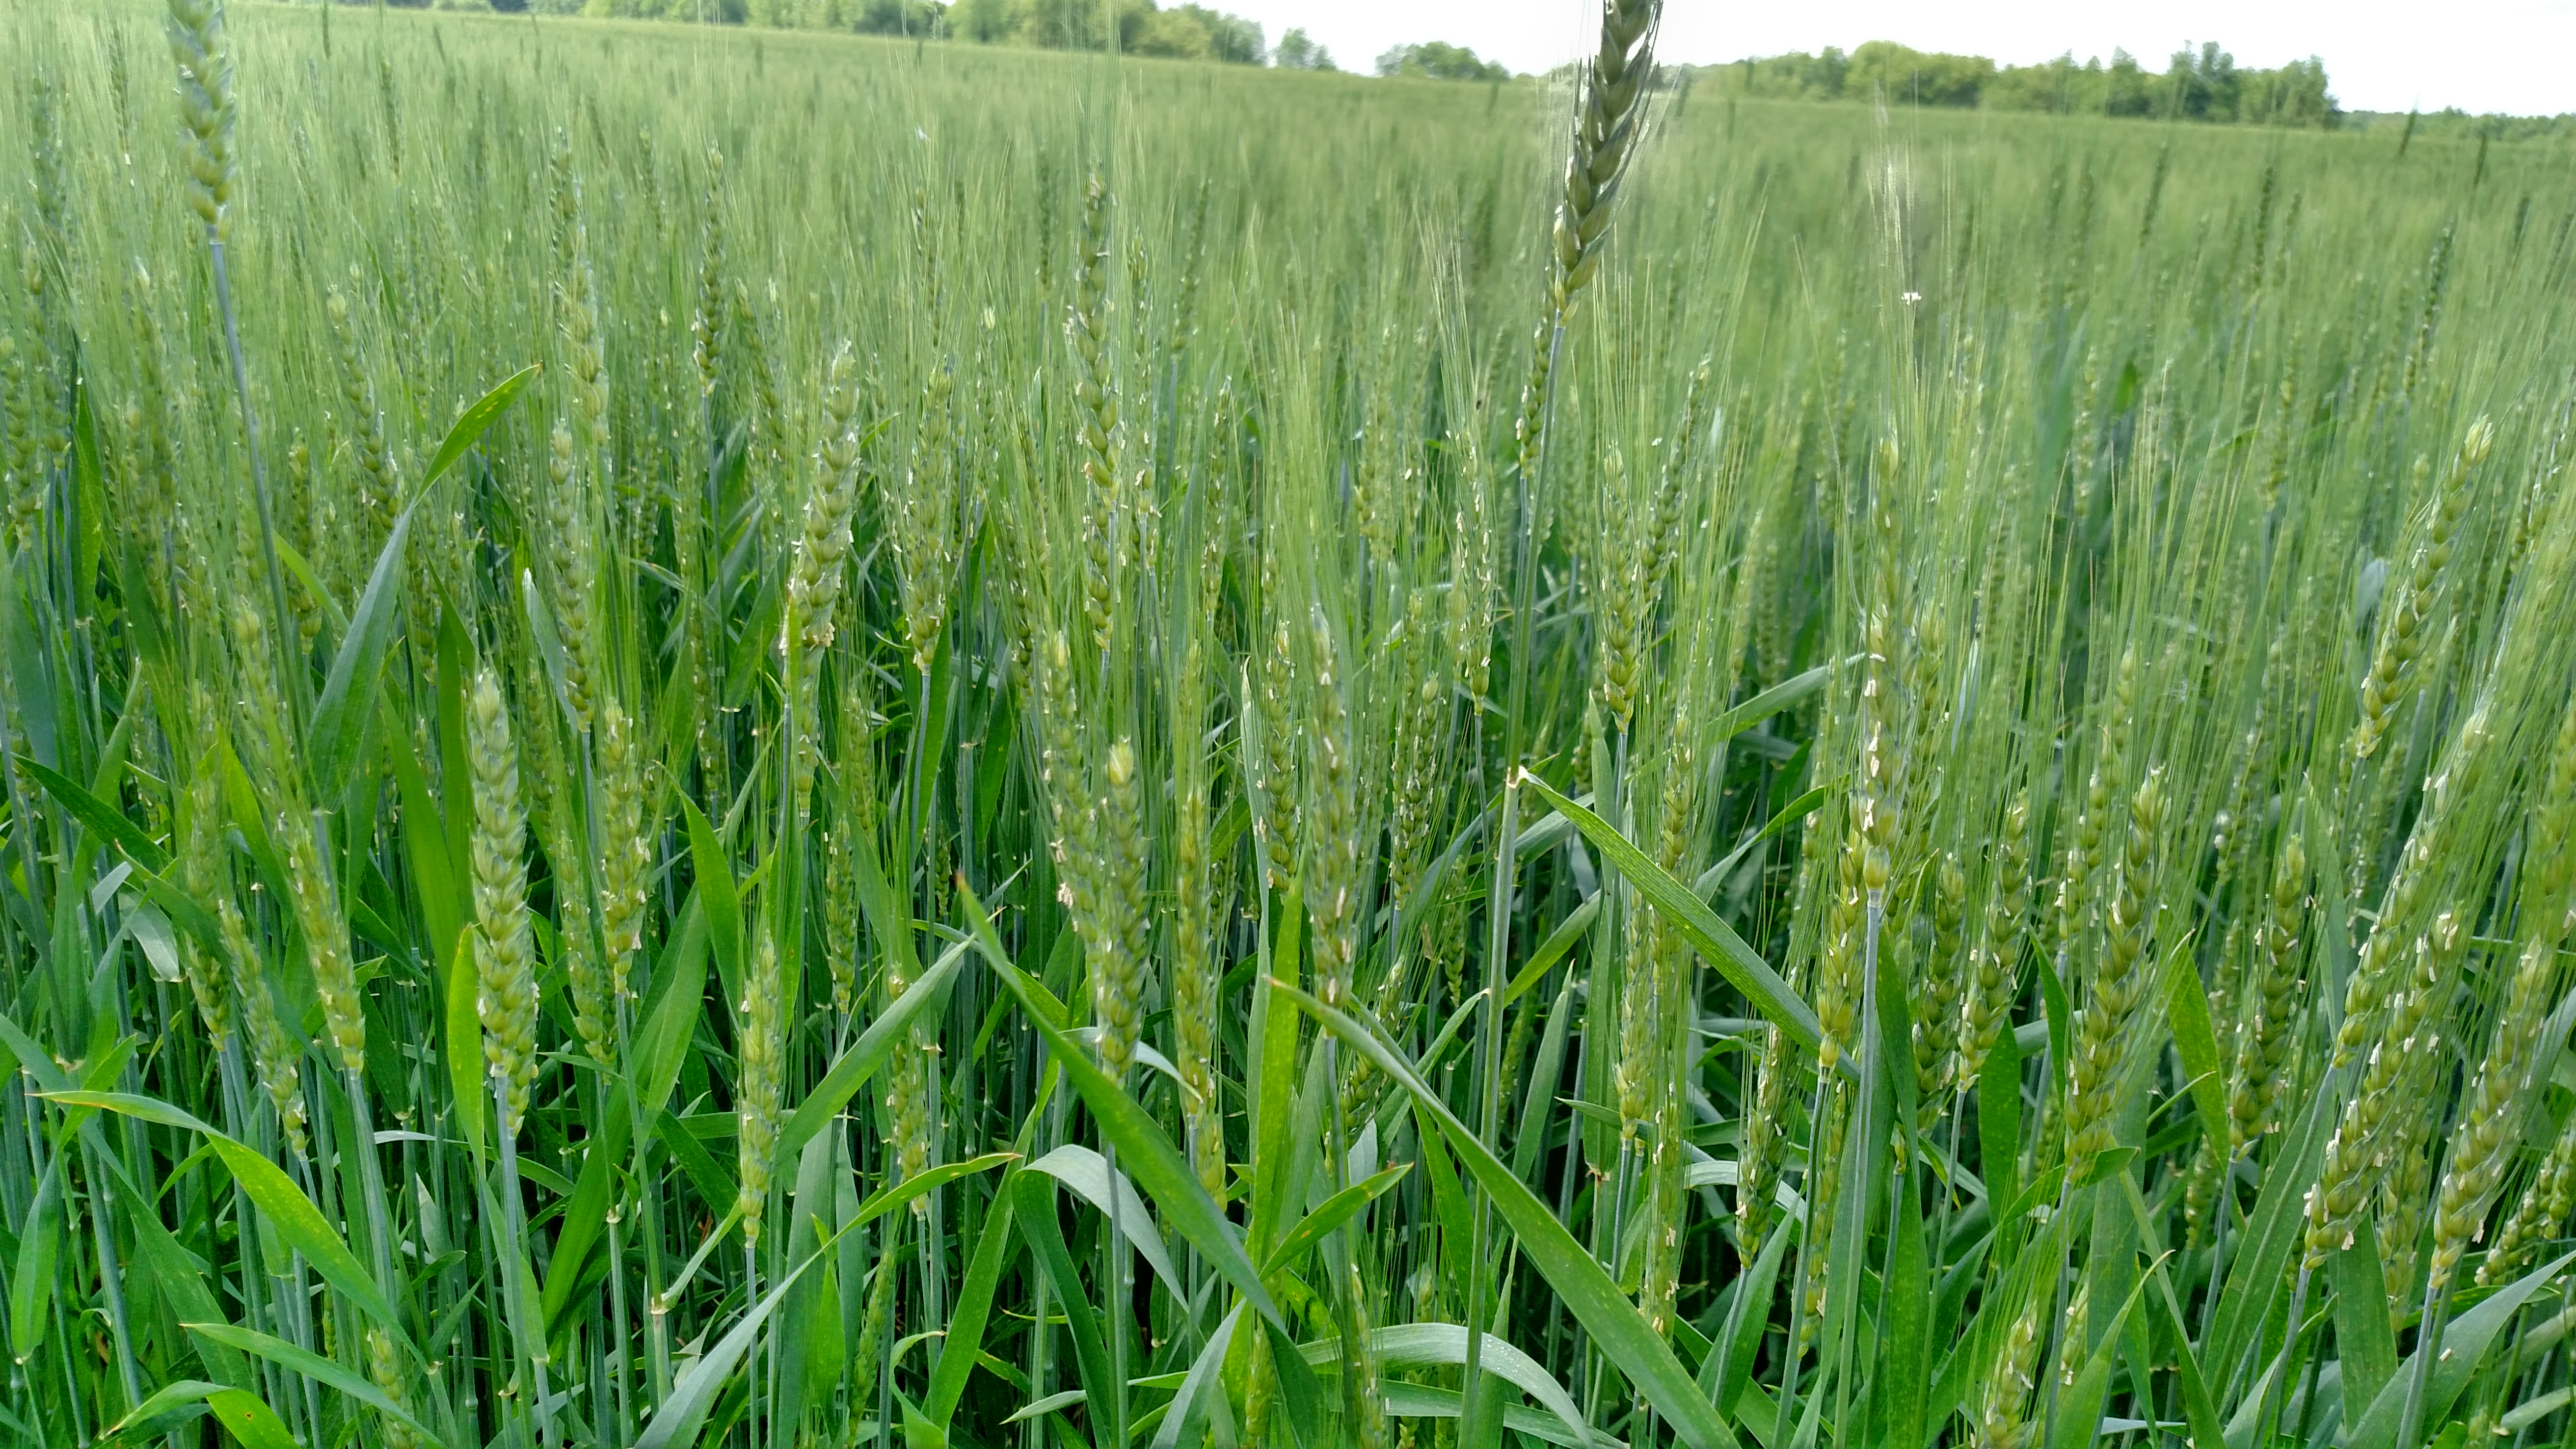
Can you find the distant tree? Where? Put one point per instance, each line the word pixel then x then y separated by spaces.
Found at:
pixel 1231 38
pixel 1796 76
pixel 1298 51
pixel 2127 89
pixel 1194 32
pixel 2201 85
pixel 1438 60
pixel 1901 75
pixel 889 17
pixel 1184 32
pixel 2294 95
pixel 986 22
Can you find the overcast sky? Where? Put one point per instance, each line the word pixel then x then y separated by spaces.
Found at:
pixel 2480 55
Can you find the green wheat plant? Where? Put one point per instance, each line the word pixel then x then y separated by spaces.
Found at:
pixel 778 740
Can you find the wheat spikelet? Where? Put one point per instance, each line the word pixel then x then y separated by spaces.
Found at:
pixel 2482 1142
pixel 768 413
pixel 2391 674
pixel 625 847
pixel 2102 1028
pixel 385 1372
pixel 2004 1401
pixel 261 707
pixel 1095 395
pixel 2358 1154
pixel 1622 602
pixel 1945 982
pixel 326 938
pixel 1273 758
pixel 505 967
pixel 2263 1045
pixel 272 1052
pixel 823 543
pixel 1114 941
pixel 2406 1187
pixel 872 1330
pixel 22 482
pixel 1824 1198
pixel 199 866
pixel 1674 486
pixel 2539 1216
pixel 381 491
pixel 1421 727
pixel 573 572
pixel 2380 965
pixel 1331 864
pixel 923 521
pixel 207 108
pixel 1987 1010
pixel 706 324
pixel 762 1044
pixel 1605 133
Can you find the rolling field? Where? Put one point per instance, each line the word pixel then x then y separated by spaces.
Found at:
pixel 719 737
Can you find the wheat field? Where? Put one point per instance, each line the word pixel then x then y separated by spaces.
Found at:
pixel 771 740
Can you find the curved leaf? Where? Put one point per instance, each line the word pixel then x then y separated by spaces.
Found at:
pixel 1147 1155
pixel 1421 1401
pixel 886 1199
pixel 965 1339
pixel 717 895
pixel 1091 1177
pixel 1187 1417
pixel 249 1419
pixel 471 424
pixel 1614 1323
pixel 1331 1213
pixel 276 1196
pixel 2187 1010
pixel 350 692
pixel 31 1282
pixel 684 1413
pixel 313 1366
pixel 98 815
pixel 1712 938
pixel 1446 1343
pixel 868 1053
pixel 1771 701
pixel 1035 1211
pixel 169 1398
pixel 2464 1345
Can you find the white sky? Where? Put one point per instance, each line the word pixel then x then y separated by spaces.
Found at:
pixel 2380 55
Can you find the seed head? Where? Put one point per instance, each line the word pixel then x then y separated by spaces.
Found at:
pixel 505 965
pixel 207 108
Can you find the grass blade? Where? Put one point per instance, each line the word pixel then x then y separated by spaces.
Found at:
pixel 1713 939
pixel 471 424
pixel 681 1416
pixel 349 692
pixel 277 1197
pixel 313 1366
pixel 1587 1292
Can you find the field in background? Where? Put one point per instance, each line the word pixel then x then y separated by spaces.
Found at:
pixel 888 740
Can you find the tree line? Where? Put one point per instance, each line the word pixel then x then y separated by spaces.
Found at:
pixel 2202 85
pixel 2206 84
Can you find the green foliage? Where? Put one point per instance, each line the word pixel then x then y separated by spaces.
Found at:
pixel 1181 32
pixel 2206 85
pixel 1297 51
pixel 719 736
pixel 1439 60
